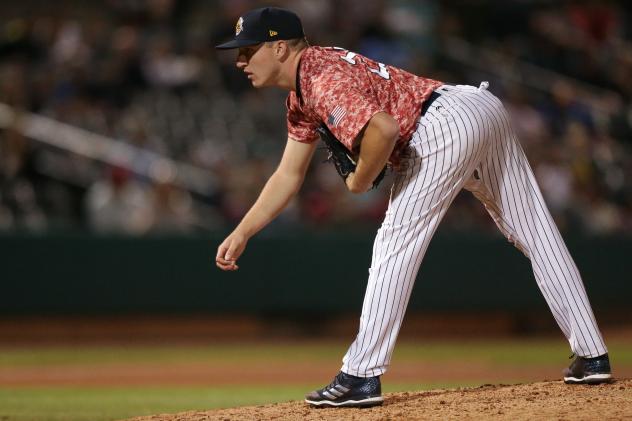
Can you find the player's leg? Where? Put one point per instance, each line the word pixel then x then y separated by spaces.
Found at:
pixel 446 147
pixel 449 143
pixel 506 185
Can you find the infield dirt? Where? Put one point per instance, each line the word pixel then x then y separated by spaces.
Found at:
pixel 543 401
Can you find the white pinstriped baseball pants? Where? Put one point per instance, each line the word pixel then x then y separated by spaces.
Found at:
pixel 465 140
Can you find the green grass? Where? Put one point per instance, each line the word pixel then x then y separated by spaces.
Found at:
pixel 505 352
pixel 60 355
pixel 110 403
pixel 509 352
pixel 107 403
pixel 101 403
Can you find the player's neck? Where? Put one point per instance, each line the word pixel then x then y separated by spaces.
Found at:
pixel 287 75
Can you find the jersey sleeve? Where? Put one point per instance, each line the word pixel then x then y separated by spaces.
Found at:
pixel 345 109
pixel 299 126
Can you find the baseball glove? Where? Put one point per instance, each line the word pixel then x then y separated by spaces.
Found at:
pixel 339 155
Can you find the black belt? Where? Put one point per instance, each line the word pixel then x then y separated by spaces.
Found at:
pixel 424 107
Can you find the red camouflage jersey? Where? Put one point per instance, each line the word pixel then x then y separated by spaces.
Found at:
pixel 344 90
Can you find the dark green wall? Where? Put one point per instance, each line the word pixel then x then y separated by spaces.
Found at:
pixel 300 274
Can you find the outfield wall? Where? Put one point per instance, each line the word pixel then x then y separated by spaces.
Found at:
pixel 286 275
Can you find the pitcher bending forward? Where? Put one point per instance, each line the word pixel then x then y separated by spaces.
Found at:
pixel 439 139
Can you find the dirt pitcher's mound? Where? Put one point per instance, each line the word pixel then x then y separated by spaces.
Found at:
pixel 544 400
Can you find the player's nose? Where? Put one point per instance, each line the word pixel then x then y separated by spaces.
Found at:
pixel 241 61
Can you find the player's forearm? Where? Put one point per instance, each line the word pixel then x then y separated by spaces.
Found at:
pixel 274 197
pixel 376 147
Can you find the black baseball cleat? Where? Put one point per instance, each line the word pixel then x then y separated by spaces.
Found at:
pixel 588 370
pixel 348 391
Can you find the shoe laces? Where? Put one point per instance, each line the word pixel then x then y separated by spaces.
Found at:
pixel 335 381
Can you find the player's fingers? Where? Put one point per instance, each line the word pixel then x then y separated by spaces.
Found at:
pixel 226 264
pixel 229 251
pixel 220 259
pixel 221 250
pixel 226 268
pixel 224 261
pixel 224 253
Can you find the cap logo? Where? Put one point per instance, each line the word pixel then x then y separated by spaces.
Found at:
pixel 239 26
pixel 273 33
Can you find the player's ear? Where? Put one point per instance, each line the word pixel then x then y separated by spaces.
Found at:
pixel 281 49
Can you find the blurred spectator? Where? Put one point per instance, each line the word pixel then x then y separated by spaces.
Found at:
pixel 164 68
pixel 172 210
pixel 529 124
pixel 19 204
pixel 118 205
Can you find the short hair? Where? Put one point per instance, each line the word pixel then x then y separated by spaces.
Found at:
pixel 297 43
pixel 294 43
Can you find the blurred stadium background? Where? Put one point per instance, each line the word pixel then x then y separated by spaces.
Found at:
pixel 120 117
pixel 129 147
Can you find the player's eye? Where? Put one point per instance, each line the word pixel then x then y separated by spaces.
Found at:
pixel 243 53
pixel 250 51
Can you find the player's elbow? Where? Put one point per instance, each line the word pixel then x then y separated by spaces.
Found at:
pixel 289 182
pixel 356 189
pixel 386 126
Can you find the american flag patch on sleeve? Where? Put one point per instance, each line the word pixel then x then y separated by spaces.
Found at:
pixel 336 116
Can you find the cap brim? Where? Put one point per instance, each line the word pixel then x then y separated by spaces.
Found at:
pixel 237 43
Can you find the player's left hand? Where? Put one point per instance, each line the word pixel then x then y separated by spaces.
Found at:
pixel 354 186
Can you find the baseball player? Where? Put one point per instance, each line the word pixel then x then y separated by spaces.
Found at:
pixel 438 139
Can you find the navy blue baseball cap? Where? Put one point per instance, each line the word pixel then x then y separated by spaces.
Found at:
pixel 265 24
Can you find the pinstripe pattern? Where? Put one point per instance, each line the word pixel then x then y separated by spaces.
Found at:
pixel 464 141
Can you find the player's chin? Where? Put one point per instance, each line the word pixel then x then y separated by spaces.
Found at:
pixel 256 83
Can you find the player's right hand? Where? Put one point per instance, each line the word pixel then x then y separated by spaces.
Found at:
pixel 230 250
